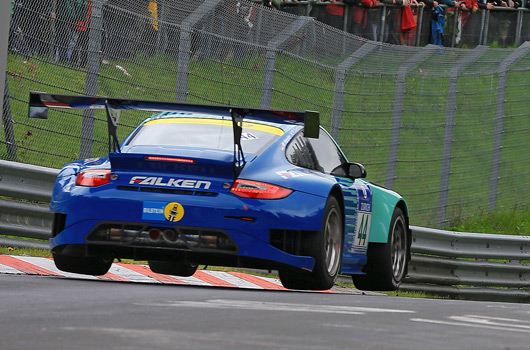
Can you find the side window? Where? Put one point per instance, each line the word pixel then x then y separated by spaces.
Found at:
pixel 300 152
pixel 318 154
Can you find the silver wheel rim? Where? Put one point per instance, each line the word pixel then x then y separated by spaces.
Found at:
pixel 399 249
pixel 332 241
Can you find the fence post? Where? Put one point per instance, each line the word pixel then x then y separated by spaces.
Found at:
pixel 7 120
pixel 92 76
pixel 5 14
pixel 499 119
pixel 270 57
pixel 486 25
pixel 519 26
pixel 419 27
pixel 449 129
pixel 382 23
pixel 184 54
pixel 397 113
pixel 340 81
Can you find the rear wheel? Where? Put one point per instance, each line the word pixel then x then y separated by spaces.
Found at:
pixel 86 265
pixel 326 247
pixel 172 268
pixel 387 262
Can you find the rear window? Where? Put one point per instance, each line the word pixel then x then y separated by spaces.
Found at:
pixel 204 133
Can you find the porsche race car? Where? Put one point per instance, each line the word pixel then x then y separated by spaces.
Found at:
pixel 229 186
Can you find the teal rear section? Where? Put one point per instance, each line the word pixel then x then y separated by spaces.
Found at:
pixel 384 203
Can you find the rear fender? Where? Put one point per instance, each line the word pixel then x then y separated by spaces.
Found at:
pixel 384 203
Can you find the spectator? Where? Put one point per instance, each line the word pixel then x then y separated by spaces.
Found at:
pixel 335 14
pixel 437 25
pixel 71 16
pixel 17 42
pixel 502 23
pixel 366 19
pixel 399 21
pixel 469 23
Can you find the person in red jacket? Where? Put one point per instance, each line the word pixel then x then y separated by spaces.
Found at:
pixel 366 19
pixel 335 14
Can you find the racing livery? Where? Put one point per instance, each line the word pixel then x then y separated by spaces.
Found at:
pixel 228 186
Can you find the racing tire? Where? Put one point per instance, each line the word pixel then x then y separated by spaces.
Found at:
pixel 387 262
pixel 86 265
pixel 325 247
pixel 172 268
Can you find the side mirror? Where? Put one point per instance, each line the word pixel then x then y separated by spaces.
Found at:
pixel 356 171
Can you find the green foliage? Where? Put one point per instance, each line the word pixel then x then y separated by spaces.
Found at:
pixel 515 221
pixel 365 129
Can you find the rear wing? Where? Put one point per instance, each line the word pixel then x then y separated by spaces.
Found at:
pixel 40 102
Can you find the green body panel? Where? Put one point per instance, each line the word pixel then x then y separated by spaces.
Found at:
pixel 383 204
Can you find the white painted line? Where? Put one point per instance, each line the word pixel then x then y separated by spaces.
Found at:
pixel 269 306
pixel 463 324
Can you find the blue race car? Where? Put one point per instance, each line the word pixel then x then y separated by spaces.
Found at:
pixel 226 186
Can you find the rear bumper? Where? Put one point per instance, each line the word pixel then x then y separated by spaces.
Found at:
pixel 247 251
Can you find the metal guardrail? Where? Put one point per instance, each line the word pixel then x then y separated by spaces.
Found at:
pixel 25 192
pixel 466 265
pixel 470 265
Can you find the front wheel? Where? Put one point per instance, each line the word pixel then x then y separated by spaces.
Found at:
pixel 326 247
pixel 387 262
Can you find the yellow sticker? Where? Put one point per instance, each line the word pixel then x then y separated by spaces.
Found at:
pixel 174 211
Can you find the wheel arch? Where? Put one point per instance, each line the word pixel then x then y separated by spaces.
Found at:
pixel 337 193
pixel 384 203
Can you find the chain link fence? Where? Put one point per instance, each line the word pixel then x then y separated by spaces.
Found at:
pixel 447 128
pixel 499 27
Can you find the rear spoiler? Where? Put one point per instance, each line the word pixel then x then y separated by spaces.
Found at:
pixel 40 102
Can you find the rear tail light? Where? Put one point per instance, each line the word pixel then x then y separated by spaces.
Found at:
pixel 93 178
pixel 258 190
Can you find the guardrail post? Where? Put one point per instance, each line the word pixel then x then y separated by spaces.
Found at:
pixel 184 55
pixel 499 119
pixel 397 113
pixel 270 59
pixel 340 81
pixel 449 129
pixel 92 76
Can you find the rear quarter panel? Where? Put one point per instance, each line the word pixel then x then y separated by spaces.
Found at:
pixel 384 203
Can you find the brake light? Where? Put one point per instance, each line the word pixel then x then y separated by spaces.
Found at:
pixel 93 178
pixel 258 190
pixel 170 159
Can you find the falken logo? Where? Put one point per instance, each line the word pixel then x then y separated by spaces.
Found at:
pixel 159 181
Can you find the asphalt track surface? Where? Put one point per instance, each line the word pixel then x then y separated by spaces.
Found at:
pixel 46 311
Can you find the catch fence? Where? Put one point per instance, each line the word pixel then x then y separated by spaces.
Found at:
pixel 447 128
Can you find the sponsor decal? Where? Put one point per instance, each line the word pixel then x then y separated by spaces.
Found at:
pixel 246 136
pixel 287 174
pixel 162 211
pixel 363 221
pixel 174 211
pixel 178 183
